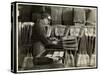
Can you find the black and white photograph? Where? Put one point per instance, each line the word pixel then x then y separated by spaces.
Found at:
pixel 49 37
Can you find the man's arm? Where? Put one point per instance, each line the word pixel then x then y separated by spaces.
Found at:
pixel 41 32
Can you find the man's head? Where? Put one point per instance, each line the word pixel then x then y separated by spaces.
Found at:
pixel 46 17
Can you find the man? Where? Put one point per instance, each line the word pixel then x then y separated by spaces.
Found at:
pixel 40 38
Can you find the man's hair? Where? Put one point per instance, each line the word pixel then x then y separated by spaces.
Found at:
pixel 45 15
pixel 37 16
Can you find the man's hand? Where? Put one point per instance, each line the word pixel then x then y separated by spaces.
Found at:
pixel 54 42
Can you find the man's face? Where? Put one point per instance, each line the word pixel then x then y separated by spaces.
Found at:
pixel 47 20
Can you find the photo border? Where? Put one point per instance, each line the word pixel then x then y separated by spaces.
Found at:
pixel 60 5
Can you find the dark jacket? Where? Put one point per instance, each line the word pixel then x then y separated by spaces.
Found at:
pixel 39 37
pixel 39 32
